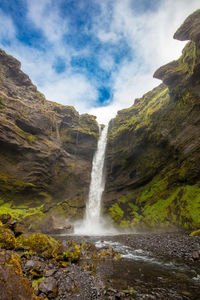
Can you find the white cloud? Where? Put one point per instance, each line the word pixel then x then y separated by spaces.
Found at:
pixel 7 28
pixel 106 61
pixel 45 16
pixel 149 36
pixel 71 89
pixel 107 37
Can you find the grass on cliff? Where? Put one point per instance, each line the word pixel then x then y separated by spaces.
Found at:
pixel 158 207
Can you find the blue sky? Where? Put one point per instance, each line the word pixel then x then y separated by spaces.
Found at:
pixel 98 55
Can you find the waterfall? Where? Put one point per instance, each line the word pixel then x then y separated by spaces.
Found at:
pixel 93 223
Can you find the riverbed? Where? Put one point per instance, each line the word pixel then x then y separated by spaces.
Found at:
pixel 152 266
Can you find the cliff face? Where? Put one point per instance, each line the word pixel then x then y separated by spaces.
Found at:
pixel 46 149
pixel 153 151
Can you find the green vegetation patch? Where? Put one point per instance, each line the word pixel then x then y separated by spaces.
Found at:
pixel 159 207
pixel 8 183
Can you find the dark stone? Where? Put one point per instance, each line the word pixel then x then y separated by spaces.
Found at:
pixel 51 272
pixel 49 287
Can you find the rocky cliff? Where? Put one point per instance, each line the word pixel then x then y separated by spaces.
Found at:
pixel 153 151
pixel 46 149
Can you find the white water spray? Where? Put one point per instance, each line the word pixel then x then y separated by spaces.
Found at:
pixel 93 223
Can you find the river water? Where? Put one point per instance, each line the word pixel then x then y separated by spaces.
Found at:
pixel 151 277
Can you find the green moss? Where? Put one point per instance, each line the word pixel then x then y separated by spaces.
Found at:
pixel 133 119
pixel 195 233
pixel 73 252
pixel 2 100
pixel 29 215
pixel 47 198
pixel 158 206
pixel 8 183
pixel 7 238
pixel 25 135
pixel 36 282
pixel 39 243
pixel 181 208
pixel 153 192
pixel 2 103
pixel 116 213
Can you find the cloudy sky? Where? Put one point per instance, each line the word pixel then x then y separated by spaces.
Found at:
pixel 97 55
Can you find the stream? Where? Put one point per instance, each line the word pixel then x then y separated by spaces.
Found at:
pixel 150 276
pixel 150 268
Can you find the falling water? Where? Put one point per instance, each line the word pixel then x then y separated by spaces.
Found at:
pixel 93 222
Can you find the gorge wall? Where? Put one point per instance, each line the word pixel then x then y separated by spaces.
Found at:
pixel 152 157
pixel 153 150
pixel 46 149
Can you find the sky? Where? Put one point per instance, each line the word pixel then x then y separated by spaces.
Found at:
pixel 97 55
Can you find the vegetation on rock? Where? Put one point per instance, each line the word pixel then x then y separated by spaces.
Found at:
pixel 153 151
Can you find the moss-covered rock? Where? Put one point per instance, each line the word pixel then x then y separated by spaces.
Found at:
pixel 39 243
pixel 72 252
pixel 12 283
pixel 7 238
pixel 153 150
pixel 195 233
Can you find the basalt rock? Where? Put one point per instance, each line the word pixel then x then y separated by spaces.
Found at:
pixel 46 149
pixel 153 150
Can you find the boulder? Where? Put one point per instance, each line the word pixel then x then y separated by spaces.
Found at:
pixel 7 238
pixel 49 287
pixel 41 244
pixel 57 225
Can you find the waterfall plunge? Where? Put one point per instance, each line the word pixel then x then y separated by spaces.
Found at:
pixel 93 223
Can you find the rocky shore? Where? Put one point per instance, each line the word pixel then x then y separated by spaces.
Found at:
pixel 169 244
pixel 37 266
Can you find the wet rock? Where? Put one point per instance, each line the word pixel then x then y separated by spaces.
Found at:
pixel 49 287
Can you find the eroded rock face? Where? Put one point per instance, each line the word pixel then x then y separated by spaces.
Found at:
pixel 153 151
pixel 46 149
pixel 190 29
